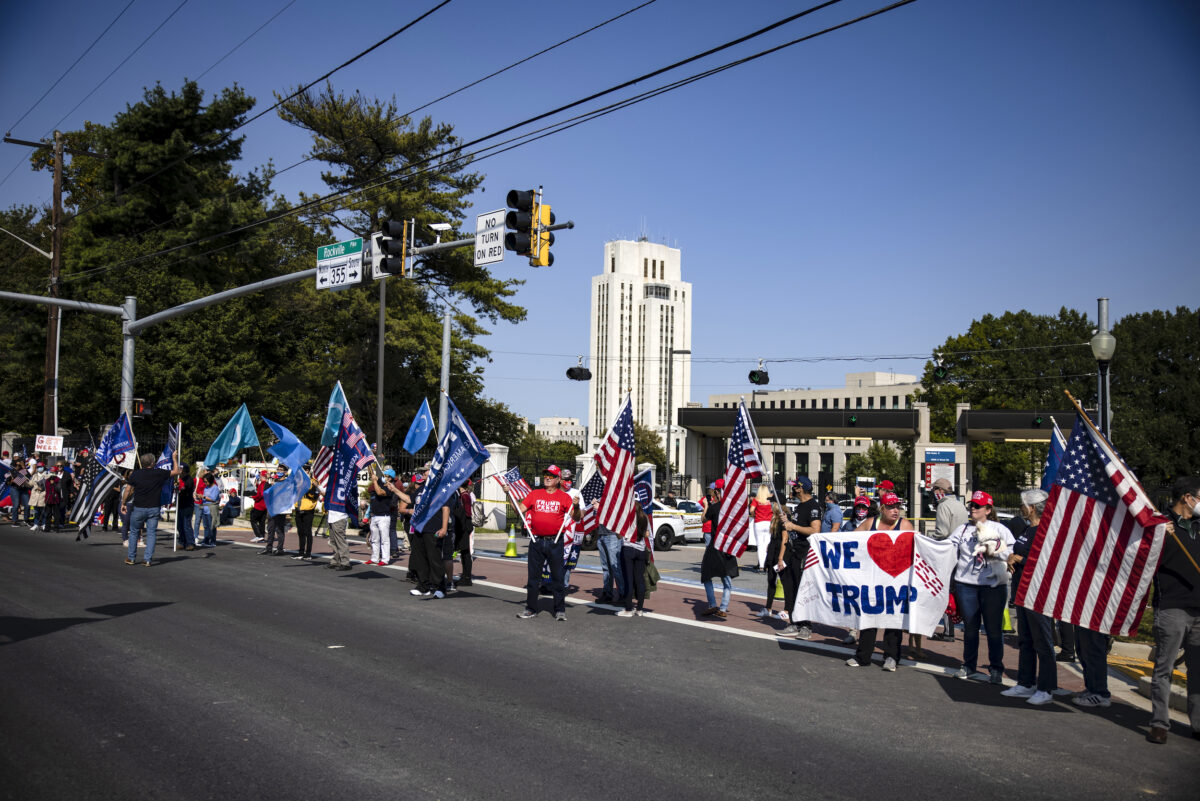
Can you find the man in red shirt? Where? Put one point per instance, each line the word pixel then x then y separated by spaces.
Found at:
pixel 548 508
pixel 258 514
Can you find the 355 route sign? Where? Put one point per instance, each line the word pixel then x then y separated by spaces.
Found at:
pixel 340 265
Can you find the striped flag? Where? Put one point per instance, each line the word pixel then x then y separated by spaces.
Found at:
pixel 320 467
pixel 745 464
pixel 516 485
pixel 1097 546
pixel 591 493
pixel 616 461
pixel 94 484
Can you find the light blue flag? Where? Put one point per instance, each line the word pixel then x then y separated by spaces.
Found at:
pixel 238 433
pixel 333 416
pixel 283 495
pixel 289 450
pixel 421 428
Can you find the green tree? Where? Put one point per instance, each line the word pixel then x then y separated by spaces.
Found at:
pixel 648 448
pixel 1156 406
pixel 1017 360
pixel 532 447
pixel 414 171
pixel 879 460
pixel 23 335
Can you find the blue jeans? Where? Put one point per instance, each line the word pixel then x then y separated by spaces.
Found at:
pixel 984 604
pixel 609 545
pixel 20 497
pixel 1091 647
pixel 727 591
pixel 1035 657
pixel 186 532
pixel 204 519
pixel 39 515
pixel 140 515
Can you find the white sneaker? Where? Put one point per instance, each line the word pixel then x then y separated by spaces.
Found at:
pixel 1040 697
pixel 1091 699
pixel 782 615
pixel 640 612
pixel 1060 692
pixel 852 662
pixel 625 613
pixel 438 594
pixel 1020 691
pixel 889 665
pixel 962 673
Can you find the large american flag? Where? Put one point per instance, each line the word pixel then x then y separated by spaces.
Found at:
pixel 744 465
pixel 94 484
pixel 591 493
pixel 1097 544
pixel 320 467
pixel 616 461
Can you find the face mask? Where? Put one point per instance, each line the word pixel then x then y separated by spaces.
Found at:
pixel 41 469
pixel 1196 510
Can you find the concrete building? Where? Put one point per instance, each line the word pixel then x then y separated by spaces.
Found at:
pixel 641 311
pixel 824 460
pixel 565 429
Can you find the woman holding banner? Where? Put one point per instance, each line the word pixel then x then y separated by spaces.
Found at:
pixel 982 578
pixel 889 519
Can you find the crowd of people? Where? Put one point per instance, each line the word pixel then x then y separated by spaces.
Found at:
pixel 990 558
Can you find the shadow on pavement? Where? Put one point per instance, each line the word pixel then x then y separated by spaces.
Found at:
pixel 16 629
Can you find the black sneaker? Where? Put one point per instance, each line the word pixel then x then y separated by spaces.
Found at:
pixel 265 552
pixel 465 581
pixel 995 676
pixel 1062 656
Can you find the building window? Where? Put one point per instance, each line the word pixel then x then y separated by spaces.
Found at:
pixel 614 264
pixel 645 268
pixel 895 401
pixel 772 404
pixel 793 403
pixel 847 403
pixel 858 403
pixel 835 403
pixel 871 402
pixel 803 403
pixel 824 403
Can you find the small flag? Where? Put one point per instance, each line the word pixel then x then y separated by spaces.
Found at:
pixel 591 492
pixel 419 431
pixel 516 485
pixel 238 433
pixel 333 416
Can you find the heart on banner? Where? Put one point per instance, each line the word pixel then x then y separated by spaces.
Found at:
pixel 892 558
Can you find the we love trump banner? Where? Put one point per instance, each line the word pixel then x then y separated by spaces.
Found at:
pixel 876 579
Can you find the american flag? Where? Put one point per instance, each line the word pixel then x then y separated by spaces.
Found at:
pixel 616 459
pixel 516 485
pixel 94 484
pixel 733 522
pixel 591 493
pixel 320 467
pixel 357 441
pixel 1098 543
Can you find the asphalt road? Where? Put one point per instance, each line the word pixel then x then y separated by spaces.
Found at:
pixel 222 674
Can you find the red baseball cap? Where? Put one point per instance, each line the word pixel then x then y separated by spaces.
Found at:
pixel 886 485
pixel 862 500
pixel 720 483
pixel 553 470
pixel 889 499
pixel 981 498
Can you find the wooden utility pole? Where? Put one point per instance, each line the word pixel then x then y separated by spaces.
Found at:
pixel 50 398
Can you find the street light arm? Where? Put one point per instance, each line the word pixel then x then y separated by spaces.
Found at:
pixel 35 247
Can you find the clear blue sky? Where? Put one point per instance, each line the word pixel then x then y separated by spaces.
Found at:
pixel 942 161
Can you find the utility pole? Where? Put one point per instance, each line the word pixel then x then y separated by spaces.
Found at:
pixel 53 313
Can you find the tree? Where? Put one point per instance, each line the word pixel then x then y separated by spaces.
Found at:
pixel 1156 408
pixel 648 448
pixel 23 335
pixel 1017 360
pixel 879 460
pixel 532 447
pixel 414 171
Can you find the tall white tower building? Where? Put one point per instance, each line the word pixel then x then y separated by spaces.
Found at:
pixel 641 311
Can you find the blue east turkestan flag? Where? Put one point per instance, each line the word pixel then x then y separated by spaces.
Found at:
pixel 459 454
pixel 643 491
pixel 166 462
pixel 333 416
pixel 238 433
pixel 282 496
pixel 1058 446
pixel 116 441
pixel 289 450
pixel 418 432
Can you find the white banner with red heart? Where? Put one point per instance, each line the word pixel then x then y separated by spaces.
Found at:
pixel 876 579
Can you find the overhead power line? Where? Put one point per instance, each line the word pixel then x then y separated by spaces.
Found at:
pixel 254 33
pixel 392 176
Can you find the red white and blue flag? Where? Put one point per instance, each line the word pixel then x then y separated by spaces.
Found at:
pixel 1098 542
pixel 591 492
pixel 320 467
pixel 616 461
pixel 353 453
pixel 744 465
pixel 516 485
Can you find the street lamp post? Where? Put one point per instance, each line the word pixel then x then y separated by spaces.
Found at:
pixel 671 406
pixel 1104 344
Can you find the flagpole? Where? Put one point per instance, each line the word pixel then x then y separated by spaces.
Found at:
pixel 175 481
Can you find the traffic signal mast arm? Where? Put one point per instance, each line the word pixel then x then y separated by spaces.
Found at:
pixel 458 243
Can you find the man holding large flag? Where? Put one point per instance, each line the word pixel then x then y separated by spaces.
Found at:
pixel 350 455
pixel 1094 554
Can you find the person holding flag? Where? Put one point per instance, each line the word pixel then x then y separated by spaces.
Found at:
pixel 548 508
pixel 143 492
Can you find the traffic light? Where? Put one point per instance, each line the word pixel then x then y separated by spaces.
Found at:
pixel 852 420
pixel 940 372
pixel 759 377
pixel 542 257
pixel 520 221
pixel 141 408
pixel 1037 421
pixel 389 247
pixel 579 372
